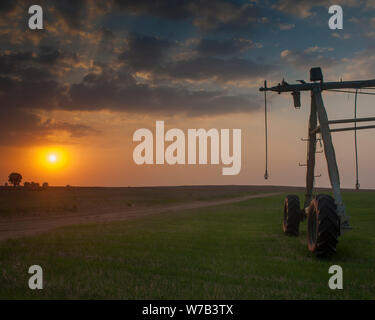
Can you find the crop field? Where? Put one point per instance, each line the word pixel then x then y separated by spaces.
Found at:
pixel 229 251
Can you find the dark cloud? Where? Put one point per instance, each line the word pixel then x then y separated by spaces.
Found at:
pixel 310 57
pixel 226 47
pixel 169 9
pixel 304 8
pixel 73 12
pixel 26 85
pixel 224 16
pixel 19 126
pixel 222 70
pixel 31 94
pixel 7 6
pixel 162 100
pixel 34 75
pixel 75 130
pixel 119 92
pixel 207 60
pixel 48 55
pixel 9 62
pixel 300 8
pixel 144 52
pixel 37 66
pixel 29 80
pixel 35 80
pixel 107 39
pixel 207 15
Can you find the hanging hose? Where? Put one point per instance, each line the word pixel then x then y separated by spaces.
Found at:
pixel 355 140
pixel 266 128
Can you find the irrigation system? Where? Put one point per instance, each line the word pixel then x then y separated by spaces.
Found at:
pixel 326 216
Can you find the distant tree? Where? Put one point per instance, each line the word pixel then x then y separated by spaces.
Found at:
pixel 15 178
pixel 45 185
pixel 5 184
pixel 35 185
pixel 27 185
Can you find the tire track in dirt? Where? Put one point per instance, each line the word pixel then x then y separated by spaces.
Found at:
pixel 20 227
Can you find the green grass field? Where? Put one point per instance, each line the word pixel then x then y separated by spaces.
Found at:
pixel 15 202
pixel 235 251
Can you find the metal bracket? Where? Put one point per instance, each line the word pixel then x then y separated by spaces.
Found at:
pixel 317 139
pixel 318 176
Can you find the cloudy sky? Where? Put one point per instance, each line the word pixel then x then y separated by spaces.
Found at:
pixel 102 69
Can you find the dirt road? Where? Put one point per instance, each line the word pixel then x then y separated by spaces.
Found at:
pixel 28 226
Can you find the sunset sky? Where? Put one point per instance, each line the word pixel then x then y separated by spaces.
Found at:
pixel 100 70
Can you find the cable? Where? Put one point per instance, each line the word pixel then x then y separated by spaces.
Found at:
pixel 356 92
pixel 266 129
pixel 355 140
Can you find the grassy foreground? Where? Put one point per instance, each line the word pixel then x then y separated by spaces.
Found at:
pixel 234 251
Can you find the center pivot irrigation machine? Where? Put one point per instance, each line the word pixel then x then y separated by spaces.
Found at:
pixel 326 216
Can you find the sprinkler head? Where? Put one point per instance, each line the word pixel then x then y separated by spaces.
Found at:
pixel 297 99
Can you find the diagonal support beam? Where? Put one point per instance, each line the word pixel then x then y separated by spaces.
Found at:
pixel 330 155
pixel 311 150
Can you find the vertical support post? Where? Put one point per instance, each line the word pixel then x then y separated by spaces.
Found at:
pixel 330 155
pixel 311 150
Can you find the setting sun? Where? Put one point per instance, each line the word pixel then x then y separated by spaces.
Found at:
pixel 52 158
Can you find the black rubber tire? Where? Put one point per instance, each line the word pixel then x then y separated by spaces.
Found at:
pixel 323 226
pixel 292 215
